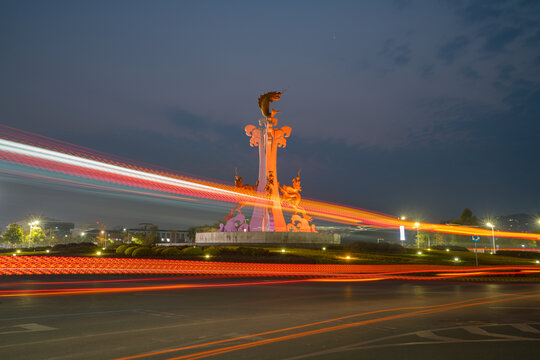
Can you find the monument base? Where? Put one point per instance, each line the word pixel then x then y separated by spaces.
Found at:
pixel 266 238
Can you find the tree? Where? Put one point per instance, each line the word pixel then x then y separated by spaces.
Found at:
pixel 138 237
pixel 36 236
pixel 203 228
pixel 13 235
pixel 467 218
pixel 438 239
pixel 151 236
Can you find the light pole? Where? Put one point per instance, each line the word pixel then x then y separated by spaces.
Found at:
pixel 417 226
pixel 494 250
pixel 30 234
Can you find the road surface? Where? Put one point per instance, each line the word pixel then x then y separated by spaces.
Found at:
pixel 232 318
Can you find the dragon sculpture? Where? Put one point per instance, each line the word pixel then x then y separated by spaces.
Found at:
pixel 239 183
pixel 291 194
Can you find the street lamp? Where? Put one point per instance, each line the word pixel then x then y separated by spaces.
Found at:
pixel 494 251
pixel 417 226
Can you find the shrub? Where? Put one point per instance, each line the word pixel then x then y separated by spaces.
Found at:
pixel 122 248
pixel 451 247
pixel 520 254
pixel 242 251
pixel 192 251
pixel 212 250
pixel 383 247
pixel 157 250
pixel 171 252
pixel 130 250
pixel 252 251
pixel 85 247
pixel 141 252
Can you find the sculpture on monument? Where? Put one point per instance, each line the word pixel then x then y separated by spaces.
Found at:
pixel 291 195
pixel 265 100
pixel 237 222
pixel 268 213
pixel 239 183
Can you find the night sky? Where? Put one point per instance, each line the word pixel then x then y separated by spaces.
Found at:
pixel 419 108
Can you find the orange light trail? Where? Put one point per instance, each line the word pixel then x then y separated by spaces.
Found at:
pixel 109 290
pixel 416 311
pixel 53 265
pixel 53 160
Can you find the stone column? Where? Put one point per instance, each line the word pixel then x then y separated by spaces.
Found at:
pixel 268 139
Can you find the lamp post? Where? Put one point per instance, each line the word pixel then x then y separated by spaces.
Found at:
pixel 494 250
pixel 30 234
pixel 417 226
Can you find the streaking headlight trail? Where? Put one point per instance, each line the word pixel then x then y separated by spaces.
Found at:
pixel 40 157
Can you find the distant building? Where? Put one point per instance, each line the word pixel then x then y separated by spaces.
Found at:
pixel 102 234
pixel 162 235
pixel 516 223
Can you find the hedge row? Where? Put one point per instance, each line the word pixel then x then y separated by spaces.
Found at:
pixel 191 251
pixel 519 254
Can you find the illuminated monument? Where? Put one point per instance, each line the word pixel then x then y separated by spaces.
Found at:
pixel 268 225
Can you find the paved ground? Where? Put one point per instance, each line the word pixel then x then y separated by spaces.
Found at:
pixel 298 320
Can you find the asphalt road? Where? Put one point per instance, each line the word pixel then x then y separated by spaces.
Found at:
pixel 296 320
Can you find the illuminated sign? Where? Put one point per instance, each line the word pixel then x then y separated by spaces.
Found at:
pixel 402 233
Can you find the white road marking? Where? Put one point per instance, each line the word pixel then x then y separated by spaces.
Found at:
pixel 26 328
pixel 526 328
pixel 376 343
pixel 478 331
pixel 428 334
pixel 64 315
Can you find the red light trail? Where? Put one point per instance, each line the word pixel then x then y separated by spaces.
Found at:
pixel 40 157
pixel 45 265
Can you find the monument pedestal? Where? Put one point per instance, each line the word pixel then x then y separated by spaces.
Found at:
pixel 266 238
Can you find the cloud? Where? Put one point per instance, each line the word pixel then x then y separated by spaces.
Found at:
pixel 497 40
pixel 399 54
pixel 478 11
pixel 426 71
pixel 402 4
pixel 506 71
pixel 450 50
pixel 469 73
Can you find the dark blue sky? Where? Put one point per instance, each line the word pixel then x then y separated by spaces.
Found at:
pixel 403 107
